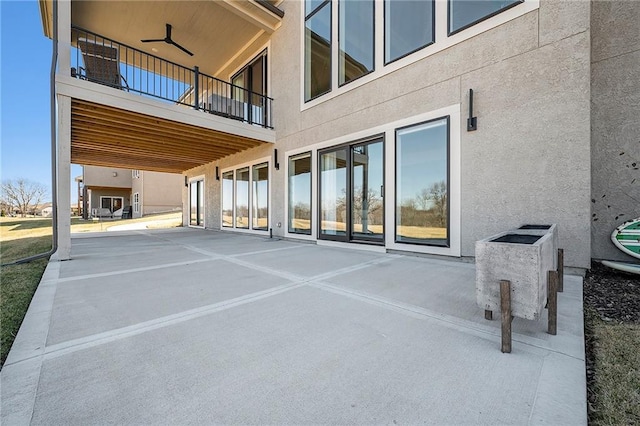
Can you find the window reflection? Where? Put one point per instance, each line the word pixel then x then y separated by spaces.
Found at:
pixel 242 198
pixel 317 52
pixel 422 193
pixel 260 194
pixel 333 192
pixel 464 13
pixel 367 206
pixel 300 194
pixel 408 26
pixel 355 33
pixel 227 199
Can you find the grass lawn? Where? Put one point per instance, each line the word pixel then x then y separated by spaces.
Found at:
pixel 23 237
pixel 614 352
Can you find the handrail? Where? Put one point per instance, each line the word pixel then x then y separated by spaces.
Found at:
pixel 102 60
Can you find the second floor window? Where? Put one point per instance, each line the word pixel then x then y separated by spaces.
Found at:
pixel 465 13
pixel 355 36
pixel 317 49
pixel 408 27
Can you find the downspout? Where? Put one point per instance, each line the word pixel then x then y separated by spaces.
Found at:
pixel 54 151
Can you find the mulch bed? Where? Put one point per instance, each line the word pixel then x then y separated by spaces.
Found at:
pixel 613 296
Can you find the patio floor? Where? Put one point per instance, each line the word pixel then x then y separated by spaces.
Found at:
pixel 189 326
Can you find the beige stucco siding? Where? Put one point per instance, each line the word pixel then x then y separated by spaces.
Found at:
pixel 106 177
pixel 527 162
pixel 615 140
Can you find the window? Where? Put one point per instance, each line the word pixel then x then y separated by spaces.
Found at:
pixel 242 198
pixel 196 203
pixel 300 194
pixel 352 191
pixel 245 199
pixel 408 26
pixel 317 49
pixel 465 13
pixel 112 203
pixel 422 183
pixel 260 197
pixel 251 87
pixel 135 174
pixel 227 199
pixel 136 203
pixel 355 36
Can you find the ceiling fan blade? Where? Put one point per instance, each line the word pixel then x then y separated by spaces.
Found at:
pixel 151 40
pixel 181 48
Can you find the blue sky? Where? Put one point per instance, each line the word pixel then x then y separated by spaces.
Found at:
pixel 25 55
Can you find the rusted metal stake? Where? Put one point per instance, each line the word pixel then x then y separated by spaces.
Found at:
pixel 488 315
pixel 552 302
pixel 505 310
pixel 560 270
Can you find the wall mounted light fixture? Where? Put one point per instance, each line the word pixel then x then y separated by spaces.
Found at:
pixel 186 181
pixel 275 159
pixel 472 122
pixel 217 173
pixel 115 174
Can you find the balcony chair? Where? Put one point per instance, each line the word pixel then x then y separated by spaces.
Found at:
pixel 101 65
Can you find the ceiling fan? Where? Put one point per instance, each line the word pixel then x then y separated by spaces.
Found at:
pixel 168 40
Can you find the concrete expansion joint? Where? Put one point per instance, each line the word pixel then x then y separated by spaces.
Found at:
pixel 459 324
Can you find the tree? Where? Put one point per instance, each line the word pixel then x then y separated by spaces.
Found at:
pixel 23 194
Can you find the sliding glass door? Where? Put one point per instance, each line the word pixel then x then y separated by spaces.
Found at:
pixel 351 192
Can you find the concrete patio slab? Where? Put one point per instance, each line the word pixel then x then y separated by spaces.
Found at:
pixel 245 330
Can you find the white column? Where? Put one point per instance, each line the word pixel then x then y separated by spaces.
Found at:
pixel 64 177
pixel 64 37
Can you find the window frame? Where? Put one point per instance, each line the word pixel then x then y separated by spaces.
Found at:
pixel 395 183
pixel 311 204
pixel 373 46
pixel 304 28
pixel 195 180
pixel 136 202
pixel 384 33
pixel 477 21
pixel 348 146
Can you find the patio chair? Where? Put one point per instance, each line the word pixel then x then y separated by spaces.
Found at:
pixel 101 64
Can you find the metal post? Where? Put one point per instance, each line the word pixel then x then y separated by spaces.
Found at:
pixel 196 88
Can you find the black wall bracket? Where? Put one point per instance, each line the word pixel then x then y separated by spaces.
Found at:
pixel 217 173
pixel 472 122
pixel 275 159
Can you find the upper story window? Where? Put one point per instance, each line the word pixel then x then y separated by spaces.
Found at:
pixel 408 27
pixel 355 37
pixel 465 13
pixel 376 37
pixel 250 87
pixel 317 48
pixel 135 174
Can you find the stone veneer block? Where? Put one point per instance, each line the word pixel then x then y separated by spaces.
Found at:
pixel 525 265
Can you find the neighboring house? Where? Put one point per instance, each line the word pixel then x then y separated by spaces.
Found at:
pixel 107 192
pixel 352 122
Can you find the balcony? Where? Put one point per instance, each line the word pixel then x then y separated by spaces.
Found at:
pixel 101 60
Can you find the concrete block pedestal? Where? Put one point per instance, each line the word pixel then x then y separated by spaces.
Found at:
pixel 524 259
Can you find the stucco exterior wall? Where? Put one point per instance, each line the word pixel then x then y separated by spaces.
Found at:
pixel 615 124
pixel 529 160
pixel 161 192
pixel 104 176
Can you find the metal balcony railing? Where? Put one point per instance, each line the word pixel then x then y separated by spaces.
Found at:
pixel 107 62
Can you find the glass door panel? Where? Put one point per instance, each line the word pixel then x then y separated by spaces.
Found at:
pixel 367 191
pixel 260 205
pixel 242 198
pixel 227 199
pixel 333 194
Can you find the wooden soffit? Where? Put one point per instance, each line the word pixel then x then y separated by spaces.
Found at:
pixel 111 137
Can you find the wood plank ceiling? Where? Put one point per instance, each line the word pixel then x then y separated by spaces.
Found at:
pixel 112 137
